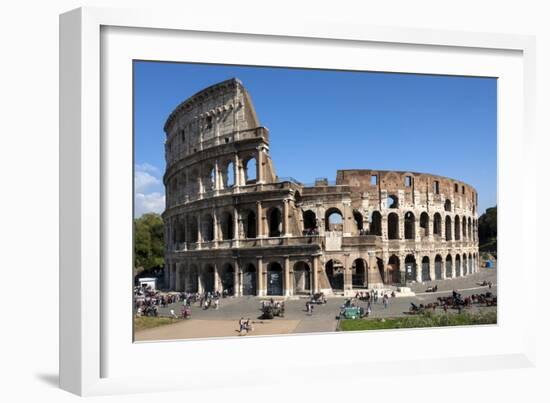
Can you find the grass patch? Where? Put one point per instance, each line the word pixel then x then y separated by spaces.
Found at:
pixel 148 322
pixel 426 320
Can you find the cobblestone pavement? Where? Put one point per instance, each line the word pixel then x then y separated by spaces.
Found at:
pixel 324 316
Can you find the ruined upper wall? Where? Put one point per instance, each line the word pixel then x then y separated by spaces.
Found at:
pixel 411 188
pixel 208 118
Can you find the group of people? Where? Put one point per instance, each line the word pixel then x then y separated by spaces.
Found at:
pixel 244 326
pixel 373 296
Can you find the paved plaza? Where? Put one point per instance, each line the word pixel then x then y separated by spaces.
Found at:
pixel 224 321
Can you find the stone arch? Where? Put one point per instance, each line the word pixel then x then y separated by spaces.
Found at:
pixel 464 234
pixel 249 223
pixel 448 229
pixel 447 205
pixel 470 228
pixel 228 278
pixel 392 201
pixel 464 264
pixel 425 276
pixel 193 229
pixel 249 279
pixel 335 274
pixel 393 273
pixel 334 219
pixel 376 223
pixel 209 278
pixel 457 266
pixel 457 228
pixel 410 267
pixel 227 225
pixel 193 284
pixel 424 224
pixel 449 266
pixel 207 230
pixel 229 175
pixel 250 170
pixel 470 261
pixel 358 218
pixel 275 221
pixel 302 278
pixel 393 226
pixel 410 225
pixel 359 270
pixel 310 221
pixel 275 281
pixel 437 225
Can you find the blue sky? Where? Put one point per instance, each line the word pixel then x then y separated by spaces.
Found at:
pixel 321 121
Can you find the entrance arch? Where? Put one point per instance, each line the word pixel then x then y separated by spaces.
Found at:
pixel 209 279
pixel 393 274
pixel 449 266
pixel 457 266
pixel 333 220
pixel 426 269
pixel 410 268
pixel 302 278
pixel 249 280
pixel 228 279
pixel 359 273
pixel 274 279
pixel 335 273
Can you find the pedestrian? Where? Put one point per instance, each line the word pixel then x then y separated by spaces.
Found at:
pixel 385 299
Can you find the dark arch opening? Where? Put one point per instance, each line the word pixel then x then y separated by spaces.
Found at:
pixel 359 273
pixel 449 266
pixel 393 226
pixel 426 269
pixel 437 225
pixel 393 274
pixel 376 223
pixel 275 222
pixel 410 225
pixel 207 228
pixel 310 222
pixel 358 217
pixel 302 278
pixel 274 279
pixel 228 279
pixel 438 267
pixel 447 205
pixel 335 274
pixel 457 228
pixel 448 230
pixel 227 226
pixel 410 268
pixel 457 266
pixel 250 171
pixel 250 224
pixel 249 280
pixel 334 220
pixel 392 201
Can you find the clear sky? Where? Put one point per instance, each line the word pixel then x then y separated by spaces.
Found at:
pixel 321 121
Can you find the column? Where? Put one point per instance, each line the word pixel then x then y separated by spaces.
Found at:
pixel 288 287
pixel 430 229
pixel 418 268
pixel 237 286
pixel 260 277
pixel 217 177
pixel 315 274
pixel 199 231
pixel 432 267
pixel 401 226
pixel 346 221
pixel 347 273
pixel 259 220
pixel 217 285
pixel 402 269
pixel 259 166
pixel 216 234
pixel 178 277
pixel 453 272
pixel 236 226
pixel 236 172
pixel 286 211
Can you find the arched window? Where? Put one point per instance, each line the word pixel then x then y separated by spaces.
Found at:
pixel 437 224
pixel 212 179
pixel 310 222
pixel 424 224
pixel 438 267
pixel 392 201
pixel 457 228
pixel 333 220
pixel 464 235
pixel 227 226
pixel 393 226
pixel 250 171
pixel 193 230
pixel 376 223
pixel 447 205
pixel 229 177
pixel 426 269
pixel 250 224
pixel 448 229
pixel 358 217
pixel 409 225
pixel 207 228
pixel 274 222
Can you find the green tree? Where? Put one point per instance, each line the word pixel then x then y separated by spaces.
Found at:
pixel 148 242
pixel 487 230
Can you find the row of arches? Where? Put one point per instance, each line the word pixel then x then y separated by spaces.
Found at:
pixel 245 282
pixel 454 228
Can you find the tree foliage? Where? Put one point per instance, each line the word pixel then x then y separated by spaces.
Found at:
pixel 148 242
pixel 487 227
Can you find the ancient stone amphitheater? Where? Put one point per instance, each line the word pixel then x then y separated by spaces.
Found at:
pixel 232 224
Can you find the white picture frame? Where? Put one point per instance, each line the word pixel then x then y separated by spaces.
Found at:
pixel 96 356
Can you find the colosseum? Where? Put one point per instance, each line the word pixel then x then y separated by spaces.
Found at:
pixel 232 224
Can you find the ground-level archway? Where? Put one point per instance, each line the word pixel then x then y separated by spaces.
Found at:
pixel 438 267
pixel 449 266
pixel 359 278
pixel 393 274
pixel 457 266
pixel 410 268
pixel 335 274
pixel 209 279
pixel 426 269
pixel 274 279
pixel 249 277
pixel 228 279
pixel 302 278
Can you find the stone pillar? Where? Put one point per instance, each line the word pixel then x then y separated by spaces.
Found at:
pixel 236 172
pixel 237 286
pixel 418 262
pixel 260 277
pixel 259 165
pixel 347 274
pixel 373 274
pixel 259 220
pixel 401 226
pixel 217 285
pixel 199 230
pixel 217 177
pixel 402 269
pixel 200 287
pixel 432 267
pixel 235 226
pixel 215 222
pixel 178 277
pixel 288 287
pixel 346 219
pixel 286 222
pixel 315 274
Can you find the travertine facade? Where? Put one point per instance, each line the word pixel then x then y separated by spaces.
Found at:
pixel 232 224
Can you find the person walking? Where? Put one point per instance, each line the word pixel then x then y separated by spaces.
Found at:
pixel 385 300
